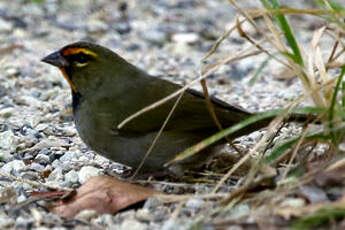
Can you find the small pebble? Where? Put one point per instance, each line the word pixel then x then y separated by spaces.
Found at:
pixel 69 156
pixel 94 26
pixel 12 72
pixel 189 38
pixel 72 176
pixel 5 221
pixel 86 215
pixel 195 203
pixel 87 172
pixel 15 165
pixel 42 158
pixel 133 225
pixel 144 215
pixel 36 167
pixel 56 175
pixel 154 36
pixel 5 26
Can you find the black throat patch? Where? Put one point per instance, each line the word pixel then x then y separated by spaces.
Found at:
pixel 77 99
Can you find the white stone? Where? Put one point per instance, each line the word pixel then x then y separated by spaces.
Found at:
pixel 56 175
pixel 5 26
pixel 87 172
pixel 15 165
pixel 7 141
pixel 87 214
pixel 189 38
pixel 5 221
pixel 72 176
pixel 133 225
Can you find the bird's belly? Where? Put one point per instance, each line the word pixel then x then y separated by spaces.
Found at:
pixel 130 149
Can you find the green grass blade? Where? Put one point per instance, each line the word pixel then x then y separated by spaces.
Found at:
pixel 343 94
pixel 260 69
pixel 335 6
pixel 318 218
pixel 333 106
pixel 285 27
pixel 226 132
pixel 280 150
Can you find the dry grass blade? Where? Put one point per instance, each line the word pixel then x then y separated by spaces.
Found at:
pixel 181 198
pixel 238 56
pixel 294 153
pixel 220 40
pixel 214 115
pixel 157 136
pixel 320 63
pixel 274 124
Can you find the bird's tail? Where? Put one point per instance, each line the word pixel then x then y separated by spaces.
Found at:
pixel 263 123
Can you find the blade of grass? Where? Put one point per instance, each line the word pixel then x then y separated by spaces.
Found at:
pixel 318 218
pixel 285 27
pixel 226 132
pixel 333 105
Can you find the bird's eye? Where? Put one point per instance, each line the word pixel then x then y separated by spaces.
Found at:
pixel 81 58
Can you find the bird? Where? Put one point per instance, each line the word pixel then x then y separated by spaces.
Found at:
pixel 106 89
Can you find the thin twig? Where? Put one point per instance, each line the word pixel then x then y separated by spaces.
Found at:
pixel 214 115
pixel 271 127
pixel 157 136
pixel 209 71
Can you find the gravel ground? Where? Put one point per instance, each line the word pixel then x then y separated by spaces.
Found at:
pixel 167 39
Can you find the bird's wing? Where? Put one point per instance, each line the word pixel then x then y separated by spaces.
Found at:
pixel 191 113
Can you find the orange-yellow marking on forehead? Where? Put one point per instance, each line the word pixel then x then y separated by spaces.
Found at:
pixel 67 78
pixel 70 51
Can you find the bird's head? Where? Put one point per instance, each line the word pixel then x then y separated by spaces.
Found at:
pixel 84 65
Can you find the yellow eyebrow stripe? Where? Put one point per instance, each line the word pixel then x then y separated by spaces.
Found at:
pixel 70 51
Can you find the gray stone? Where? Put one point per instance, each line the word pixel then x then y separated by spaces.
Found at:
pixel 22 222
pixel 69 156
pixel 133 225
pixel 42 158
pixel 7 142
pixel 7 112
pixel 171 224
pixel 94 26
pixel 152 203
pixel 194 203
pixel 56 175
pixel 72 176
pixel 36 167
pixel 87 172
pixel 11 72
pixel 86 214
pixel 3 91
pixel 5 26
pixel 144 215
pixel 56 163
pixel 103 220
pixel 21 198
pixel 154 36
pixel 5 221
pixel 15 165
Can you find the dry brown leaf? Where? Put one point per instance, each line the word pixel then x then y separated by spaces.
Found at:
pixel 103 194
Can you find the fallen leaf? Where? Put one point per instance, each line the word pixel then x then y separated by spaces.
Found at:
pixel 103 194
pixel 41 195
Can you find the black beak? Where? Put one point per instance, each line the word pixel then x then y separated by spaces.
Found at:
pixel 56 59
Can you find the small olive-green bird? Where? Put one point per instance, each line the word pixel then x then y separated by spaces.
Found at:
pixel 106 89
